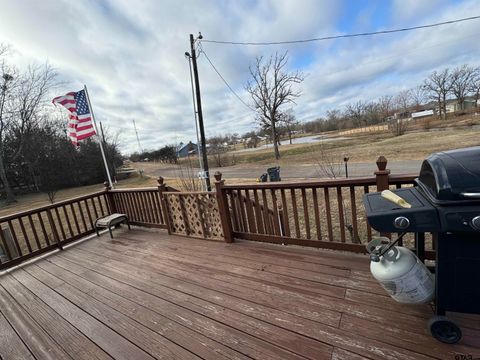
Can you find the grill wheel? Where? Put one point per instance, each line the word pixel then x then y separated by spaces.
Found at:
pixel 444 330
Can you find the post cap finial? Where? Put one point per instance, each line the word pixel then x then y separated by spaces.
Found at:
pixel 382 163
pixel 218 175
pixel 160 180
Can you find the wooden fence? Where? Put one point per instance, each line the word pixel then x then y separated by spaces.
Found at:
pixel 323 213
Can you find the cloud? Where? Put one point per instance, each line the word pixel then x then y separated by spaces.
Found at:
pixel 131 55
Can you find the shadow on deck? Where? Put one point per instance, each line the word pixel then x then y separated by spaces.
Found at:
pixel 147 295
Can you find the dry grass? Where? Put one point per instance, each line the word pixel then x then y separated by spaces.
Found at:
pixel 365 147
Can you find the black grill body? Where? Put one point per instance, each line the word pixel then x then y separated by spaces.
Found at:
pixel 446 202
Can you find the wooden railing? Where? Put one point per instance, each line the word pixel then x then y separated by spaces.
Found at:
pixel 30 233
pixel 143 206
pixel 323 213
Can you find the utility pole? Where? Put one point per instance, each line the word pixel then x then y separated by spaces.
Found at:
pixel 107 152
pixel 138 139
pixel 199 111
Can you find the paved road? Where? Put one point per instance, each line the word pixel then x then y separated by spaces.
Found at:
pixel 294 171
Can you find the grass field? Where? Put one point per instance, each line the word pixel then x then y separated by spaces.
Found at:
pixel 367 147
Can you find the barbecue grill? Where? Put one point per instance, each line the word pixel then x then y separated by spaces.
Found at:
pixel 445 201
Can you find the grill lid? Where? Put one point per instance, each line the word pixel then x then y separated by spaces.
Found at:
pixel 451 176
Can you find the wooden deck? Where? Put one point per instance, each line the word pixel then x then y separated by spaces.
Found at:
pixel 146 295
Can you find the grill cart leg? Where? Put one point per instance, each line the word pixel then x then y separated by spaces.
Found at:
pixel 420 246
pixel 440 327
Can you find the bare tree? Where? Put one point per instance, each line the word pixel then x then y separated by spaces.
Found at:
pixel 356 112
pixel 461 79
pixel 218 147
pixel 373 113
pixel 403 101
pixel 21 99
pixel 438 85
pixel 289 123
pixel 418 96
pixel 474 87
pixel 328 165
pixel 385 104
pixel 271 87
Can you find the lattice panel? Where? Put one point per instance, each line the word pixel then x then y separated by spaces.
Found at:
pixel 194 214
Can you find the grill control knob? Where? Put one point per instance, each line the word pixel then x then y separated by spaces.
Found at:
pixel 402 222
pixel 476 222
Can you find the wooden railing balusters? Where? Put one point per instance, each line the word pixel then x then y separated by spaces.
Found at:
pixel 353 206
pixel 74 214
pixel 82 216
pixel 341 214
pixel 4 244
pixel 251 219
pixel 326 194
pixel 286 221
pixel 258 213
pixel 266 215
pixel 34 231
pixel 316 210
pixel 53 227
pixel 25 236
pixel 275 217
pixel 68 221
pixel 305 214
pixel 60 222
pixel 44 230
pixel 295 213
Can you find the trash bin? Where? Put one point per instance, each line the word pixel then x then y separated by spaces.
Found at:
pixel 446 201
pixel 274 173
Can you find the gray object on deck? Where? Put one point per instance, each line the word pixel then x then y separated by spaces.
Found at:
pixel 110 221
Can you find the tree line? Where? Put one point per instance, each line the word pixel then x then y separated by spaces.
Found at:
pixel 35 153
pixel 166 154
pixel 458 84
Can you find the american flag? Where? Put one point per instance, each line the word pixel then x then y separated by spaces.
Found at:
pixel 80 125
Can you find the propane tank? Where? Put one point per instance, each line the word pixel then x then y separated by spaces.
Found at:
pixel 402 275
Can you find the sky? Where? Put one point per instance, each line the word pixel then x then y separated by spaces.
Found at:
pixel 130 54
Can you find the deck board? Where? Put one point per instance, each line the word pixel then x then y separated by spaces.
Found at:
pixel 147 295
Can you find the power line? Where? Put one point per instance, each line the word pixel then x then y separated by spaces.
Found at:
pixel 225 81
pixel 342 36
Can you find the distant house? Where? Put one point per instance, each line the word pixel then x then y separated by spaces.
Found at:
pixel 184 150
pixel 454 105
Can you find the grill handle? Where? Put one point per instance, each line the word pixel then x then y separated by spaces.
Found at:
pixel 470 195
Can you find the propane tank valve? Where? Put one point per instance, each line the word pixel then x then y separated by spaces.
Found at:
pixel 374 257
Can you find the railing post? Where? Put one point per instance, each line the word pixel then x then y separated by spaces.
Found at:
pixel 382 179
pixel 223 208
pixel 110 199
pixel 163 203
pixel 382 174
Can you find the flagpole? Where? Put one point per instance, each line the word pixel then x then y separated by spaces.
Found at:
pixel 98 137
